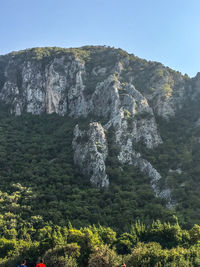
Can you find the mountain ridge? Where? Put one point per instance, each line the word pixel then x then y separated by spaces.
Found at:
pixel 116 94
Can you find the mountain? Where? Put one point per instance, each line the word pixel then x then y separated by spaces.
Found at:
pixel 97 135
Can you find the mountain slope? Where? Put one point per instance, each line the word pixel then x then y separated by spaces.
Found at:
pixel 128 126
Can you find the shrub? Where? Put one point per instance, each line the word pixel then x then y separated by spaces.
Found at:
pixel 103 256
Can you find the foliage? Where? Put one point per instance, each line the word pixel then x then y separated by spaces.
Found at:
pixel 152 254
pixel 102 246
pixel 62 256
pixel 167 89
pixel 39 182
pixel 103 256
pixel 125 243
pixel 41 190
pixel 176 161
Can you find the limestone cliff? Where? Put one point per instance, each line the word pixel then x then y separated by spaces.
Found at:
pixel 90 152
pixel 115 89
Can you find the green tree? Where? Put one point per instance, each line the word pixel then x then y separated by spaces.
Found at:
pixel 103 256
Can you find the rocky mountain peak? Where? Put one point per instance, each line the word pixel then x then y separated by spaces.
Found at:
pixel 116 89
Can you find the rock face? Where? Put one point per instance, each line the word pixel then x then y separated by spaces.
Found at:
pixel 90 153
pixel 109 85
pixel 32 87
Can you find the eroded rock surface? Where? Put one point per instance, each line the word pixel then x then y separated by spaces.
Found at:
pixel 116 89
pixel 90 153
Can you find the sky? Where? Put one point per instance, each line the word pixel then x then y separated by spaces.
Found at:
pixel 167 31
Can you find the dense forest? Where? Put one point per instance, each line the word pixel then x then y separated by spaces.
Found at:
pixel 37 166
pixel 159 244
pixel 37 171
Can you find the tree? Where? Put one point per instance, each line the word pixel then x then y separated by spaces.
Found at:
pixel 103 256
pixel 125 243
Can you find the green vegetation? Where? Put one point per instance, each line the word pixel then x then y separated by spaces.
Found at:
pixel 37 171
pixel 41 189
pixel 96 58
pixel 167 89
pixel 96 246
pixel 177 159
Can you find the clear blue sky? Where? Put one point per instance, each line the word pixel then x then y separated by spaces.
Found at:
pixel 167 31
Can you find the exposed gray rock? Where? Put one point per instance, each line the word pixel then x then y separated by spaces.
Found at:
pixel 129 156
pixel 90 153
pixel 197 122
pixel 105 99
pixel 66 85
pixel 195 87
pixel 57 87
pixel 132 117
pixel 166 194
pixel 168 92
pixel 178 171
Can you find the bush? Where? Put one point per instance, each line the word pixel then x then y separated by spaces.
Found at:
pixel 150 254
pixel 103 256
pixel 62 256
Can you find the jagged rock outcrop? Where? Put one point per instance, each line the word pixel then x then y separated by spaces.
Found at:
pixel 55 87
pixel 65 84
pixel 122 91
pixel 90 153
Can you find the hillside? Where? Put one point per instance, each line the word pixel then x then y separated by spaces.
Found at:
pixel 96 135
